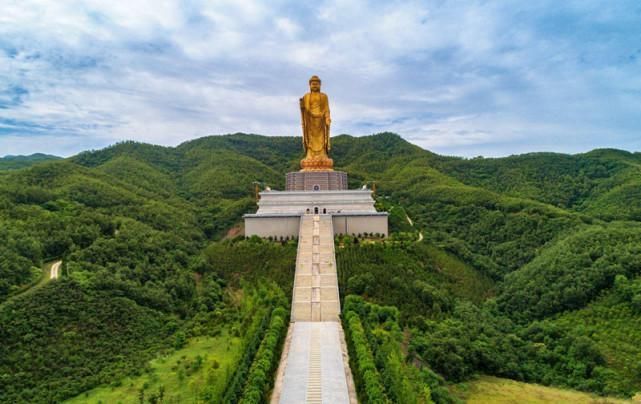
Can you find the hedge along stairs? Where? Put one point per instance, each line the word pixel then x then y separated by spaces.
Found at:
pixel 314 367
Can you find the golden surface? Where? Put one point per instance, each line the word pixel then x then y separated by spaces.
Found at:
pixel 314 109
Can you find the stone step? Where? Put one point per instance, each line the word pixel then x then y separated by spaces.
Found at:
pixel 315 295
pixel 314 365
pixel 314 358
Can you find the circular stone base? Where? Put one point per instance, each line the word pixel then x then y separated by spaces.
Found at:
pixel 317 181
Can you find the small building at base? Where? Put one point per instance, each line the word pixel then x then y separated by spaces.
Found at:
pixel 352 211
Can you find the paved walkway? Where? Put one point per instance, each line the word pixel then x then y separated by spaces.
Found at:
pixel 314 366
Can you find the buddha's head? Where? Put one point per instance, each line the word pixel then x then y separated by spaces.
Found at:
pixel 314 84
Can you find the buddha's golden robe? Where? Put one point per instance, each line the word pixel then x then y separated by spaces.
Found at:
pixel 315 114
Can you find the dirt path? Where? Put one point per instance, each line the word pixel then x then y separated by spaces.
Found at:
pixel 420 233
pixel 49 271
pixel 55 270
pixel 409 220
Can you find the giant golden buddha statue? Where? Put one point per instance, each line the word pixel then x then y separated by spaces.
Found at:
pixel 314 108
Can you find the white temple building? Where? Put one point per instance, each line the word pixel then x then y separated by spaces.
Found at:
pixel 352 212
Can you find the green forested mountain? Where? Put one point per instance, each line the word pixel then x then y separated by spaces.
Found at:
pixel 16 162
pixel 529 266
pixel 601 182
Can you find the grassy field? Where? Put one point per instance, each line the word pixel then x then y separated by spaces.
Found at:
pixel 488 389
pixel 201 368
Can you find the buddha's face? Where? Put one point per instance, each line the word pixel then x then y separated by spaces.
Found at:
pixel 314 86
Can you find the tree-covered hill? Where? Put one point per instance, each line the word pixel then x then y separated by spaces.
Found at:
pixel 17 162
pixel 603 182
pixel 513 251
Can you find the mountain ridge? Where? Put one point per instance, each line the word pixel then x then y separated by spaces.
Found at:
pixel 14 162
pixel 143 228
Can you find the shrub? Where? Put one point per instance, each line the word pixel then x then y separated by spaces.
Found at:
pixel 262 369
pixel 367 378
pixel 234 388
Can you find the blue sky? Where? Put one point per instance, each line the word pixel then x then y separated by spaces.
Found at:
pixel 456 77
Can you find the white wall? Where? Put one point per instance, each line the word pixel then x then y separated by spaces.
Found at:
pixel 277 226
pixel 272 226
pixel 360 224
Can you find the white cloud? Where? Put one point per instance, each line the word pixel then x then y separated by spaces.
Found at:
pixel 287 26
pixel 453 76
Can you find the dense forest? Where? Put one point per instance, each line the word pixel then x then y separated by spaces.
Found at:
pixel 528 267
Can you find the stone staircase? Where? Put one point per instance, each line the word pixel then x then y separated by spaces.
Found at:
pixel 315 283
pixel 314 366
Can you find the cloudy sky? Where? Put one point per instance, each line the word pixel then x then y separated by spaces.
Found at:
pixel 462 78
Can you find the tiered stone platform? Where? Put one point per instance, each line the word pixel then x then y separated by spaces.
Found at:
pixel 314 367
pixel 279 212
